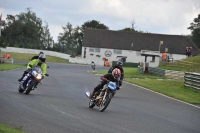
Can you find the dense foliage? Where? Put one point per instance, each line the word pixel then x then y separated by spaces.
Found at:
pixel 195 28
pixel 26 30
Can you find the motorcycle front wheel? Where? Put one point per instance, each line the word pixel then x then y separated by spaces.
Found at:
pixel 104 104
pixel 91 104
pixel 30 87
pixel 20 89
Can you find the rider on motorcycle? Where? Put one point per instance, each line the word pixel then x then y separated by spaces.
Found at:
pixel 36 62
pixel 93 65
pixel 119 66
pixel 114 77
pixel 37 56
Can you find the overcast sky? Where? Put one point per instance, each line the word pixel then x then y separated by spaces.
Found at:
pixel 155 16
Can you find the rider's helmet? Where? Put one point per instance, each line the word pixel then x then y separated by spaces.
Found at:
pixel 116 73
pixel 40 53
pixel 119 63
pixel 42 57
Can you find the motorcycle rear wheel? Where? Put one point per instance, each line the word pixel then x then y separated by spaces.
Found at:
pixel 104 104
pixel 29 89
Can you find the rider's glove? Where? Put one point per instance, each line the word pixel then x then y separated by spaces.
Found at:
pixel 104 79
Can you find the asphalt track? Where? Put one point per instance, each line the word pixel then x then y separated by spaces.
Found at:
pixel 59 105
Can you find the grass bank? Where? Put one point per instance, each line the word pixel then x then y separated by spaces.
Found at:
pixel 4 66
pixel 190 64
pixel 26 57
pixel 171 88
pixel 7 129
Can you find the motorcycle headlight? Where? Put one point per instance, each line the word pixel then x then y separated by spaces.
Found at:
pixel 38 76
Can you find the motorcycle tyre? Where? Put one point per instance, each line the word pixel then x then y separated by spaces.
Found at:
pixel 113 94
pixel 91 104
pixel 109 99
pixel 29 89
pixel 20 89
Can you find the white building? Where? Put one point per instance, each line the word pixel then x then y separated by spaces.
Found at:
pixel 114 45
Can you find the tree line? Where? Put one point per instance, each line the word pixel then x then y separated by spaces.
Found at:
pixel 26 30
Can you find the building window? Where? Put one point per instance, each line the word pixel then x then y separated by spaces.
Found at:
pixel 94 50
pixel 116 51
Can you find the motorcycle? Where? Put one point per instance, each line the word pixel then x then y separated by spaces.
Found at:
pixel 103 97
pixel 93 66
pixel 31 80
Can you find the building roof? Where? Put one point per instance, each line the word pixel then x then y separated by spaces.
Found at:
pixel 126 40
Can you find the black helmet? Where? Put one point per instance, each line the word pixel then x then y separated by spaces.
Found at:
pixel 119 63
pixel 41 53
pixel 42 57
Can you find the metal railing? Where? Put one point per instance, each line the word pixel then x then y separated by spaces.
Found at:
pixel 192 80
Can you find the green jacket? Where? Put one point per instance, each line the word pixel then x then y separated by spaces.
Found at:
pixel 34 64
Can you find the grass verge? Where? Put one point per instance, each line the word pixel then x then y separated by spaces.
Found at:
pixel 10 66
pixel 26 57
pixel 7 129
pixel 171 88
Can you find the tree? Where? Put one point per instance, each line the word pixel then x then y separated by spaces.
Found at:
pixel 89 24
pixel 66 39
pixel 46 38
pixel 195 29
pixel 94 25
pixel 26 30
pixel 126 29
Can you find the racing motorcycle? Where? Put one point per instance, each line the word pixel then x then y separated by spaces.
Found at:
pixel 31 80
pixel 93 66
pixel 103 97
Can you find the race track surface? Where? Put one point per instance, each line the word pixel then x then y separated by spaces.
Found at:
pixel 59 105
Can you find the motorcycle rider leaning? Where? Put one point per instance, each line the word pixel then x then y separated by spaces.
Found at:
pixel 119 66
pixel 36 62
pixel 37 56
pixel 114 77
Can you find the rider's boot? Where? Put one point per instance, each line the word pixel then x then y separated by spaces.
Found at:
pixel 20 79
pixel 92 94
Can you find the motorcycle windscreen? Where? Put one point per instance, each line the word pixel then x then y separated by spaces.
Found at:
pixel 38 70
pixel 112 86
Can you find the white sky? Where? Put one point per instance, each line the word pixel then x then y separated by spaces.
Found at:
pixel 155 16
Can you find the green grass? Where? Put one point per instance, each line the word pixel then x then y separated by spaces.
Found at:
pixel 184 65
pixel 131 73
pixel 195 59
pixel 172 88
pixel 10 66
pixel 7 129
pixel 175 68
pixel 26 57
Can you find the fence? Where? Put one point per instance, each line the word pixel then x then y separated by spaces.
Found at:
pixel 192 80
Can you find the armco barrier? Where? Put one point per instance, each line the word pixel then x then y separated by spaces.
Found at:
pixel 192 80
